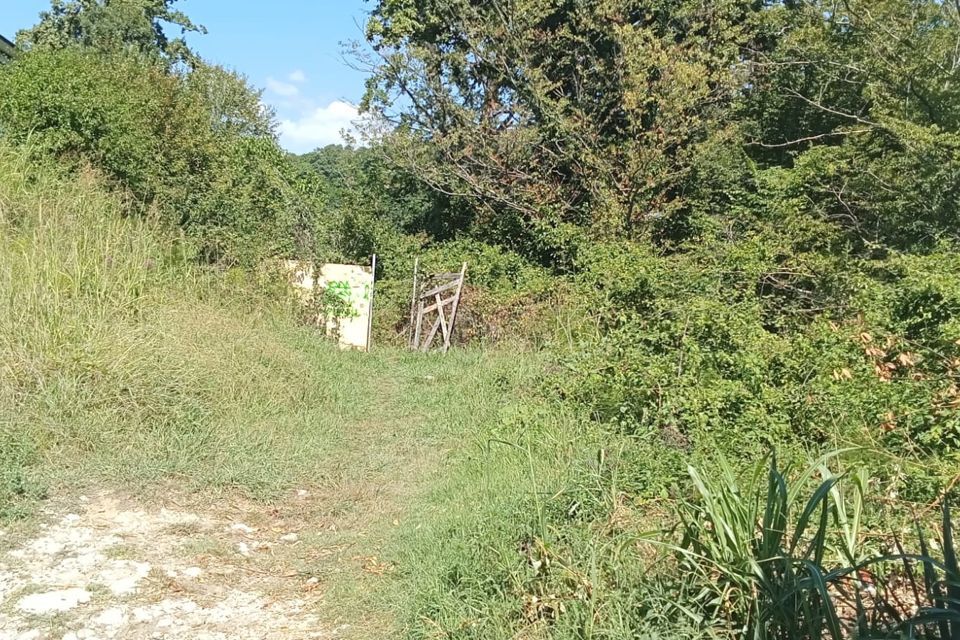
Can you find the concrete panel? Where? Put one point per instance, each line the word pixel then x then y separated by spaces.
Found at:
pixel 352 283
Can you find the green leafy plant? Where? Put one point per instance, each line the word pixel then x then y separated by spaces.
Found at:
pixel 763 554
pixel 910 594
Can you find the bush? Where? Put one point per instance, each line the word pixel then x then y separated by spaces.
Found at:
pixel 686 356
pixel 505 297
pixel 195 149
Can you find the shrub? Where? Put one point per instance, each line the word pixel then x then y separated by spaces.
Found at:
pixel 194 149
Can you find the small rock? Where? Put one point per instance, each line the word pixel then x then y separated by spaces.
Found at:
pixel 193 572
pixel 239 527
pixel 142 614
pixel 113 617
pixel 243 548
pixel 313 580
pixel 53 601
pixel 123 577
pixel 71 518
pixel 302 493
pixel 290 537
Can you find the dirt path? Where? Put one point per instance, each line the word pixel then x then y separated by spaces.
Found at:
pixel 175 565
pixel 99 561
pixel 114 568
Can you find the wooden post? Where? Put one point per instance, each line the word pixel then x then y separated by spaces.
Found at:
pixel 456 305
pixel 433 333
pixel 373 288
pixel 413 303
pixel 443 321
pixel 418 327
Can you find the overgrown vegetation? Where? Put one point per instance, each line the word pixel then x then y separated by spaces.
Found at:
pixel 720 232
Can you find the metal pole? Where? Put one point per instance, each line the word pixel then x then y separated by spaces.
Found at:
pixel 373 288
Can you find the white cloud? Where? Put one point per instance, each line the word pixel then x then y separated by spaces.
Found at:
pixel 319 127
pixel 284 89
pixel 298 77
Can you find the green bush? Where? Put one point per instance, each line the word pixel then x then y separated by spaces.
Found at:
pixel 688 357
pixel 194 149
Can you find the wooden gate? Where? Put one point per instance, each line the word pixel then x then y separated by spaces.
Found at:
pixel 434 305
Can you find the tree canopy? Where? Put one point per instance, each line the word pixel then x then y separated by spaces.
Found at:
pixel 137 25
pixel 637 118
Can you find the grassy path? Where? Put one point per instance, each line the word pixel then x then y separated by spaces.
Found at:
pixel 356 476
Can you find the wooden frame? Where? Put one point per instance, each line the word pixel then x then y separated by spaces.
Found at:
pixel 428 299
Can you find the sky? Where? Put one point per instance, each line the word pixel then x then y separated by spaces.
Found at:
pixel 292 49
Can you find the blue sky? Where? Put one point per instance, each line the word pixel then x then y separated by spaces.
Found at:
pixel 290 48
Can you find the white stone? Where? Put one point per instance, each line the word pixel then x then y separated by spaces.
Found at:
pixel 193 572
pixel 243 548
pixel 123 577
pixel 53 601
pixel 290 537
pixel 142 614
pixel 239 527
pixel 45 547
pixel 112 617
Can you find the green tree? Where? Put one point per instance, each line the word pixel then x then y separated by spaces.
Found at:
pixel 553 113
pixel 195 148
pixel 859 102
pixel 113 25
pixel 369 197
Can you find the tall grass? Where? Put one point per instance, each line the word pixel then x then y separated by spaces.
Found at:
pixel 774 558
pixel 120 359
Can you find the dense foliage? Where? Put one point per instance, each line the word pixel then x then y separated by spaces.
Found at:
pixel 755 203
pixel 754 206
pixel 193 145
pixel 733 226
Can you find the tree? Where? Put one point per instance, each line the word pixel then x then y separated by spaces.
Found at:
pixel 557 113
pixel 113 25
pixel 366 190
pixel 195 148
pixel 859 102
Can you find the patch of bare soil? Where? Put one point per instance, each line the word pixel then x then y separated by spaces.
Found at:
pixel 107 566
